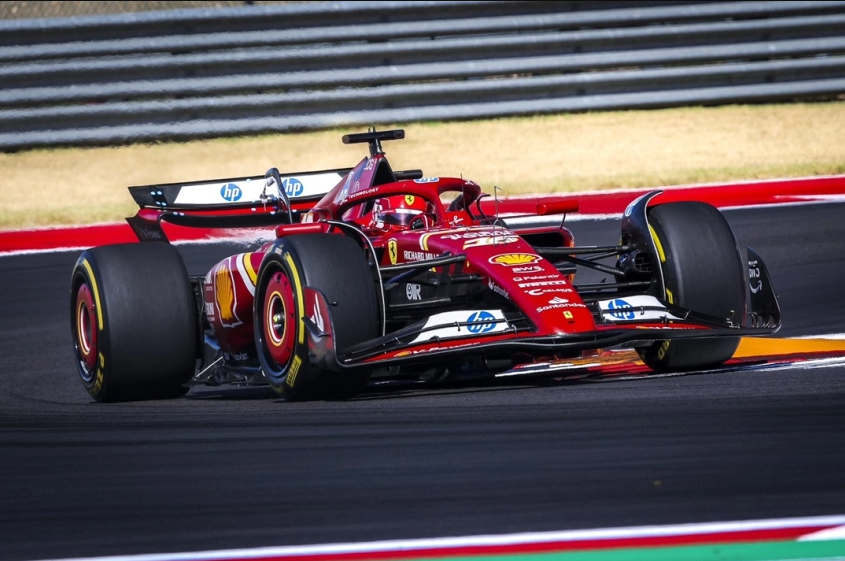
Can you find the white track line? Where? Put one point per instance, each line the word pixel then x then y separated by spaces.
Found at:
pixel 827 336
pixel 837 533
pixel 16 252
pixel 641 190
pixel 570 217
pixel 245 241
pixel 496 540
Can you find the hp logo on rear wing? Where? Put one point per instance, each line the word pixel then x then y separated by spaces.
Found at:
pixel 231 192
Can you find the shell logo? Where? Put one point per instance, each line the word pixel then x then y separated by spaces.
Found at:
pixel 224 288
pixel 512 259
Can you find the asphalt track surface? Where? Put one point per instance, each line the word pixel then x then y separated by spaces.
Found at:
pixel 235 468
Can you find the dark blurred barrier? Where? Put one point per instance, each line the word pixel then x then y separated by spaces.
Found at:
pixel 202 73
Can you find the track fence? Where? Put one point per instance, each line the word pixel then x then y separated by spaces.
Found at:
pixel 278 67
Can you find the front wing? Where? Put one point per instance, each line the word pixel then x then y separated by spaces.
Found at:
pixel 445 335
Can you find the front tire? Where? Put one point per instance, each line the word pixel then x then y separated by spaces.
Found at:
pixel 337 266
pixel 703 272
pixel 133 322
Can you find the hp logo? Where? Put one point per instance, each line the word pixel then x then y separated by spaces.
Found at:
pixel 293 187
pixel 231 192
pixel 481 322
pixel 624 309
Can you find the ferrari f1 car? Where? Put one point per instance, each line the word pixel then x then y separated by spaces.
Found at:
pixel 376 275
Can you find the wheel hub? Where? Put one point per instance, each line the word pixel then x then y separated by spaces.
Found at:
pixel 279 313
pixel 86 331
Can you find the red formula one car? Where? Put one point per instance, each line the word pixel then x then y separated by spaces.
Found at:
pixel 377 275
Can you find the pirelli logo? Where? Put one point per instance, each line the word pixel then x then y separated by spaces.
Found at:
pixel 293 372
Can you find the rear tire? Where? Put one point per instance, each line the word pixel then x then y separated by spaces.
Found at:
pixel 703 272
pixel 133 322
pixel 337 266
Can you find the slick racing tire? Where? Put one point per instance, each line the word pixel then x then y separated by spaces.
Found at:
pixel 703 272
pixel 133 321
pixel 337 266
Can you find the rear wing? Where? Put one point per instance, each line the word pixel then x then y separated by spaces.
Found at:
pixel 240 202
pixel 303 189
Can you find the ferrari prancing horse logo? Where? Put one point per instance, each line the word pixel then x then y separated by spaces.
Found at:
pixel 392 251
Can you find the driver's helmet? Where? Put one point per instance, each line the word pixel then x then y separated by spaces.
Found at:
pixel 401 212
